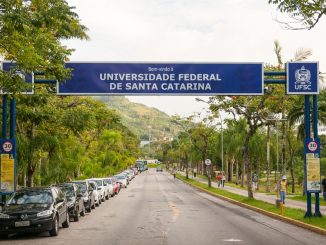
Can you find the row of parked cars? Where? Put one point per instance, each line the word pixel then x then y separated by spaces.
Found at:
pixel 39 209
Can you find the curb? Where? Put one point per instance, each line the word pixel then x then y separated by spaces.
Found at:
pixel 262 211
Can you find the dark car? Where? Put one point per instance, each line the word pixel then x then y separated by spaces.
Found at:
pixel 36 209
pixel 88 194
pixel 75 200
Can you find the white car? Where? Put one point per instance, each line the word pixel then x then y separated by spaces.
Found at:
pixel 102 188
pixel 97 196
pixel 109 185
pixel 122 179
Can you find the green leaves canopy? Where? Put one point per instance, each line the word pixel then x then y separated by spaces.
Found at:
pixel 30 35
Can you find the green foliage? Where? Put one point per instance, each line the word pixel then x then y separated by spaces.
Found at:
pixel 62 138
pixel 31 34
pixel 305 12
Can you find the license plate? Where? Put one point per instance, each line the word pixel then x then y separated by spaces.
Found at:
pixel 22 223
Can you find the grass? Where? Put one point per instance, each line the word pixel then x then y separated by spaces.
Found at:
pixel 304 199
pixel 292 213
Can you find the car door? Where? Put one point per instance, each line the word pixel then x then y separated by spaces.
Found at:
pixel 61 205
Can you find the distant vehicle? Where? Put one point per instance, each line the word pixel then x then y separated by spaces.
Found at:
pixel 159 168
pixel 97 195
pixel 36 209
pixel 122 179
pixel 141 165
pixel 88 194
pixel 75 200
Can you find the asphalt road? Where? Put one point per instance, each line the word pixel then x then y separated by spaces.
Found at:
pixel 155 209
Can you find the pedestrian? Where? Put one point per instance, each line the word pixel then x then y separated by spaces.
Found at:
pixel 323 183
pixel 174 172
pixel 222 179
pixel 195 172
pixel 218 179
pixel 254 182
pixel 283 188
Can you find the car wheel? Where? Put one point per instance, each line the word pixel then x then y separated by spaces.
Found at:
pixel 82 213
pixel 93 206
pixel 89 207
pixel 76 217
pixel 55 227
pixel 99 201
pixel 67 222
pixel 107 197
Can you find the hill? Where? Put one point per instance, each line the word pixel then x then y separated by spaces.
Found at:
pixel 141 119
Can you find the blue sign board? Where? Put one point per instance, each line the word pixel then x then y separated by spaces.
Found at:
pixel 312 165
pixel 164 79
pixel 302 78
pixel 29 78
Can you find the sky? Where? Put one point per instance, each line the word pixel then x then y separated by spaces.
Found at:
pixel 189 31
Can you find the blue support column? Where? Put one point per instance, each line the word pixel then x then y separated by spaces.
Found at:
pixel 13 134
pixel 4 127
pixel 307 131
pixel 315 125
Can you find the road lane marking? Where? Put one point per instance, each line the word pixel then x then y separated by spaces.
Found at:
pixel 232 240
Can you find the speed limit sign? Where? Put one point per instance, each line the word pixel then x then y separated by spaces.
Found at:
pixel 7 146
pixel 208 162
pixel 312 146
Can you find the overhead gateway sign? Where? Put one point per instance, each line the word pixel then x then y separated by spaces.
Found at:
pixel 163 79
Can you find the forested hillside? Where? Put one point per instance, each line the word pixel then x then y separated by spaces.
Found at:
pixel 138 117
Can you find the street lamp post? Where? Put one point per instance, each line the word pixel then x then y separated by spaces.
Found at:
pixel 277 154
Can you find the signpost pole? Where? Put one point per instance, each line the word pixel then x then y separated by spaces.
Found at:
pixel 307 130
pixel 315 125
pixel 4 128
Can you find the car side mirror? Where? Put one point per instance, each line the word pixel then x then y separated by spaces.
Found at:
pixel 99 188
pixel 79 195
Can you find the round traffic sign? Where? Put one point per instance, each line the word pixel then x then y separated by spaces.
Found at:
pixel 312 146
pixel 7 146
pixel 208 162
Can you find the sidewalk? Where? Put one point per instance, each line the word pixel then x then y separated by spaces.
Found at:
pixel 264 197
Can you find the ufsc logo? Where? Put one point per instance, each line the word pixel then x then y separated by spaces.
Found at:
pixel 302 79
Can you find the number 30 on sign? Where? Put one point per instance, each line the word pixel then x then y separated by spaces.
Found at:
pixel 7 146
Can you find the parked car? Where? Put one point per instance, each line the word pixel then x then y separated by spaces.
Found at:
pixel 127 175
pixel 75 200
pixel 35 209
pixel 116 185
pixel 122 179
pixel 97 196
pixel 159 168
pixel 135 170
pixel 102 189
pixel 88 194
pixel 110 186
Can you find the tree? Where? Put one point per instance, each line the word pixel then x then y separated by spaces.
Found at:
pixel 307 13
pixel 30 35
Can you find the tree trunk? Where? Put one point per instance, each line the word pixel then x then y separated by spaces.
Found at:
pixel 30 177
pixel 248 165
pixel 268 167
pixel 283 149
pixel 237 171
pixel 243 170
pixel 292 173
pixel 231 170
pixel 258 173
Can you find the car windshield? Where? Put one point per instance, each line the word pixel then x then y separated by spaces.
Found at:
pixel 82 187
pixel 68 191
pixel 31 197
pixel 121 177
pixel 109 181
pixel 98 182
